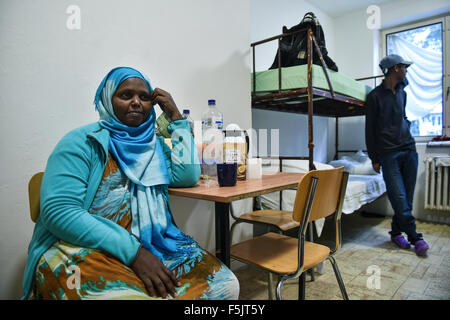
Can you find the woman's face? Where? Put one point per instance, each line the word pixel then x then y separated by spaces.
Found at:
pixel 131 102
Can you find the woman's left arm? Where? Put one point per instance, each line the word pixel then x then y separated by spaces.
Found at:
pixel 182 161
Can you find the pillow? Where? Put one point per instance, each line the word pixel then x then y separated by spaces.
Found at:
pixel 358 163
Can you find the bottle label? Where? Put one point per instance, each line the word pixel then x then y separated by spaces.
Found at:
pixel 236 152
pixel 218 123
pixel 213 122
pixel 232 155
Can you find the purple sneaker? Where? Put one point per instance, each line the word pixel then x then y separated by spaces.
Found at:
pixel 421 247
pixel 401 242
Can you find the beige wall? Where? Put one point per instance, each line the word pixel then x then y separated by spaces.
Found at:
pixel 196 50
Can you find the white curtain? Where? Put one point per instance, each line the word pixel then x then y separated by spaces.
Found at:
pixel 424 75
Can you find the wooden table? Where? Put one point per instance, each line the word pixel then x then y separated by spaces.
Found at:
pixel 223 196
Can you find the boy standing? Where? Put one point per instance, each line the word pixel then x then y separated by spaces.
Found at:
pixel 391 147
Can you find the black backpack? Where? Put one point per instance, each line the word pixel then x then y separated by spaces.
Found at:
pixel 293 47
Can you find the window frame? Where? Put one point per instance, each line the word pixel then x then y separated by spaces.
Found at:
pixel 445 21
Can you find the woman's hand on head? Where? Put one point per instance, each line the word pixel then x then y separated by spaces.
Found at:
pixel 165 101
pixel 158 279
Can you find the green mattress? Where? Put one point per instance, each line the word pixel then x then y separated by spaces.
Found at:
pixel 297 77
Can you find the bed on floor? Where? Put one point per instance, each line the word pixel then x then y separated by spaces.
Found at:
pixel 363 187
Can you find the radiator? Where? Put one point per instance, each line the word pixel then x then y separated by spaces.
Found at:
pixel 437 179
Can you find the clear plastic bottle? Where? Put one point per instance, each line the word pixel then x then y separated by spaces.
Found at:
pixel 186 115
pixel 212 125
pixel 212 118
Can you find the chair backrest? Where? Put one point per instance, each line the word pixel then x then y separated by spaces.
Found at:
pixel 34 193
pixel 329 193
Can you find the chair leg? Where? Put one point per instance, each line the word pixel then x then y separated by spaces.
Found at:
pixel 233 226
pixel 278 289
pixel 301 286
pixel 311 238
pixel 270 285
pixel 338 277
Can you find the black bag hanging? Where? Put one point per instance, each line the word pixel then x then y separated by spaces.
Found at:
pixel 293 47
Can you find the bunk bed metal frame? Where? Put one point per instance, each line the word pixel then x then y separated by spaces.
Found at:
pixel 309 100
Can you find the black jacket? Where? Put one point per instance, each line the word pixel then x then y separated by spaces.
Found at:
pixel 387 128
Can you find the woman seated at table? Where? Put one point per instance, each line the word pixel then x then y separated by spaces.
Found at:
pixel 105 229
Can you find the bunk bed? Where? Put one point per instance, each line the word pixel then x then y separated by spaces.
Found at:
pixel 308 89
pixel 313 90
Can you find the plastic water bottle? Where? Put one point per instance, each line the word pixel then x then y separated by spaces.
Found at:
pixel 212 124
pixel 186 115
pixel 212 118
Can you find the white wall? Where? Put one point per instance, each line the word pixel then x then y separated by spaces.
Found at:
pixel 267 19
pixel 196 50
pixel 292 133
pixel 357 55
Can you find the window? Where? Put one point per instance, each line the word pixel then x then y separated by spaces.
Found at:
pixel 424 45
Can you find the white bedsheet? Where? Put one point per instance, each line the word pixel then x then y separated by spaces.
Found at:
pixel 361 189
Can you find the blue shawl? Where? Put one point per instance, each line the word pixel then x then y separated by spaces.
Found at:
pixel 140 156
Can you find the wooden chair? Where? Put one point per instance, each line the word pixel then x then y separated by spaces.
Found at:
pixel 278 219
pixel 34 193
pixel 320 194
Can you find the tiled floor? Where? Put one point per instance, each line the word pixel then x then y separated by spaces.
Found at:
pixel 366 252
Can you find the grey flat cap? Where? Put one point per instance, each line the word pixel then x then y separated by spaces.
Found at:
pixel 391 60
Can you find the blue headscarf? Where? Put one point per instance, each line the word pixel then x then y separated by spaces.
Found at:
pixel 140 156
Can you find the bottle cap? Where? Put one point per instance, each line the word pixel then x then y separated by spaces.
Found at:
pixel 186 111
pixel 211 102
